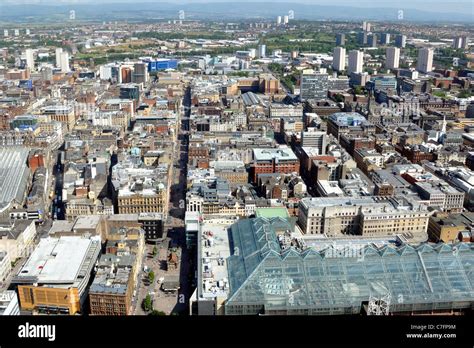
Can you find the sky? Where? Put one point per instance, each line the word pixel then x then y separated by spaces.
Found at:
pixel 453 6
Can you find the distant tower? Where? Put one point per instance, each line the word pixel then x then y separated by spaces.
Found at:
pixel 59 51
pixel 401 41
pixel 339 59
pixel 285 20
pixel 279 20
pixel 262 51
pixel 5 32
pixel 425 60
pixel 356 61
pixel 30 60
pixel 392 58
pixel 385 39
pixel 340 39
pixel 65 62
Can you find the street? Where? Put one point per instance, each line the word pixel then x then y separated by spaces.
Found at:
pixel 175 235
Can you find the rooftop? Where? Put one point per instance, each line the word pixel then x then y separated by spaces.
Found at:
pixel 60 260
pixel 261 273
pixel 272 212
pixel 281 154
pixel 14 175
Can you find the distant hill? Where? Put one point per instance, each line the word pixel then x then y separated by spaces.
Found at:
pixel 232 10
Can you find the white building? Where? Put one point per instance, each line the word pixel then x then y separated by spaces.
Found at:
pixel 356 61
pixel 278 20
pixel 5 265
pixel 59 51
pixel 30 59
pixel 425 60
pixel 392 58
pixel 9 303
pixel 262 51
pixel 65 62
pixel 339 59
pixel 17 239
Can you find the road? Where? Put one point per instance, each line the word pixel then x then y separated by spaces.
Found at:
pixel 57 208
pixel 175 233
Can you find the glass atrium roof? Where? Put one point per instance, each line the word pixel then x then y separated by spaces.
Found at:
pixel 262 273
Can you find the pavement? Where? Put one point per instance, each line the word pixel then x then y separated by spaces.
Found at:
pixel 175 235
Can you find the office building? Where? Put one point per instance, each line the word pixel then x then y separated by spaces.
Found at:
pixel 385 39
pixel 364 216
pixel 314 138
pixel 140 73
pixel 356 61
pixel 55 277
pixel 153 225
pixel 262 51
pixel 447 228
pixel 392 58
pixel 401 41
pixel 339 59
pixel 130 91
pixel 5 32
pixel 286 19
pixel 281 160
pixel 279 20
pixel 349 122
pixel 112 289
pixel 383 83
pixel 340 39
pixel 425 60
pixel 313 85
pixel 64 114
pixel 138 198
pixel 441 196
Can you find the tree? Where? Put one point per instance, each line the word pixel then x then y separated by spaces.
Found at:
pixel 147 303
pixel 151 277
pixel 155 250
pixel 156 312
pixel 464 94
pixel 358 90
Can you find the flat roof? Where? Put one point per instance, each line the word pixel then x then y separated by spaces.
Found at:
pixel 214 249
pixel 280 212
pixel 285 154
pixel 58 260
pixel 87 222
